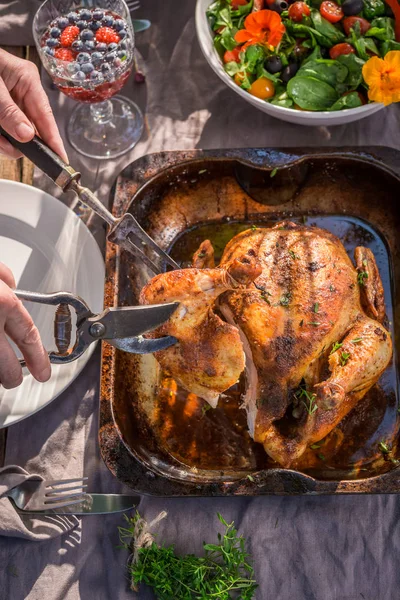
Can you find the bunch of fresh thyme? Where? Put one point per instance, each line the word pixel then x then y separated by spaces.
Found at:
pixel 223 572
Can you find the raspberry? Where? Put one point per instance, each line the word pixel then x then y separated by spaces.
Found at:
pixel 64 54
pixel 107 35
pixel 69 35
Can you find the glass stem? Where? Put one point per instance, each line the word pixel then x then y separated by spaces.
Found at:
pixel 102 112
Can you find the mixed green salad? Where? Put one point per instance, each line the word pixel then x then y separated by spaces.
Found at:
pixel 310 55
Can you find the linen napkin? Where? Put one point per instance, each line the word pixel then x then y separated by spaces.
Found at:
pixel 29 527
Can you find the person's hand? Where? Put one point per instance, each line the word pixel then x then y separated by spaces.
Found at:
pixel 24 106
pixel 16 322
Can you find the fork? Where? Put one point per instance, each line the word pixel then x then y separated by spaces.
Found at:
pixel 133 5
pixel 35 494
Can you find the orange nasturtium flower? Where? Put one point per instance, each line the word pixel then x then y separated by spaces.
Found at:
pixel 261 27
pixel 383 78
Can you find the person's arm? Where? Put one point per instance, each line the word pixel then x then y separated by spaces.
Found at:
pixel 24 106
pixel 17 324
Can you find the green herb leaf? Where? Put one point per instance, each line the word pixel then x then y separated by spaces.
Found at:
pixel 344 357
pixel 285 299
pixel 335 347
pixel 223 572
pixel 356 340
pixel 293 255
pixel 361 277
pixel 250 478
pixel 273 172
pixel 316 307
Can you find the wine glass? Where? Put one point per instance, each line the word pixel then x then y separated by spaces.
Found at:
pixel 87 48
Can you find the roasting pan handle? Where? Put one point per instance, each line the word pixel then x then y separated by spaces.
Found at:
pixel 45 159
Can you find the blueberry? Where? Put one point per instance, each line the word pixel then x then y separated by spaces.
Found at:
pixel 122 33
pixel 97 58
pixel 52 43
pixel 111 47
pixel 105 68
pixel 81 24
pixel 89 45
pixel 101 47
pixel 73 67
pixel 110 57
pixel 49 51
pixel 55 32
pixel 94 25
pixel 289 72
pixel 83 57
pixel 123 45
pixel 86 34
pixel 85 14
pixel 79 76
pixel 119 24
pixel 108 21
pixel 62 22
pixel 98 14
pixel 121 54
pixel 87 67
pixel 274 64
pixel 96 76
pixel 72 17
pixel 77 45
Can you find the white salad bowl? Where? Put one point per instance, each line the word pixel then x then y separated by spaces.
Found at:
pixel 301 117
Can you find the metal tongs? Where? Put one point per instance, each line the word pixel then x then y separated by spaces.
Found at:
pixel 125 231
pixel 119 326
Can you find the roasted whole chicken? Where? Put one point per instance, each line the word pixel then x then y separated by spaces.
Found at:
pixel 287 306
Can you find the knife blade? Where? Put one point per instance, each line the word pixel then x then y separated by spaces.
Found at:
pixel 96 504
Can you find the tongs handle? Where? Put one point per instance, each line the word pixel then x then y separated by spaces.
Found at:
pixel 62 323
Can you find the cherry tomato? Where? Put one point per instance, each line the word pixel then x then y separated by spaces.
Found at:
pixel 340 49
pixel 298 10
pixel 236 3
pixel 262 88
pixel 239 78
pixel 232 55
pixel 331 11
pixel 349 22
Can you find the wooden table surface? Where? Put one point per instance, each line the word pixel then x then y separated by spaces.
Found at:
pixel 16 170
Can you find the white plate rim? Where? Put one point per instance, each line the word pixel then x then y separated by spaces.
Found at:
pixel 83 360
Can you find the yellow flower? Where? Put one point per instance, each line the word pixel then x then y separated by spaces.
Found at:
pixel 383 78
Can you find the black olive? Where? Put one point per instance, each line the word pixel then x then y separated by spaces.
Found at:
pixel 278 6
pixel 352 7
pixel 274 64
pixel 289 72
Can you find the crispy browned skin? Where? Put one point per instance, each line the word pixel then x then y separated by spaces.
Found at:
pixel 305 299
pixel 203 258
pixel 208 358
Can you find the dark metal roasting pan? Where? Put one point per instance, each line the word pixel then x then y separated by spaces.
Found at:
pixel 160 440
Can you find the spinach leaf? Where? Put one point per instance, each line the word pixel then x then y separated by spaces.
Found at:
pixel 371 46
pixel 326 29
pixel 242 10
pixel 354 66
pixel 282 100
pixel 373 8
pixel 232 68
pixel 388 46
pixel 254 56
pixel 358 42
pixel 382 29
pixel 228 38
pixel 304 31
pixel 352 100
pixel 315 54
pixel 311 93
pixel 261 72
pixel 329 71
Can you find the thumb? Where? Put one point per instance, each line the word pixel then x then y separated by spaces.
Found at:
pixel 12 119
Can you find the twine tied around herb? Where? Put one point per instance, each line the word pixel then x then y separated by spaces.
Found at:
pixel 142 538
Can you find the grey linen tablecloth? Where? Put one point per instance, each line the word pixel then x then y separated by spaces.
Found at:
pixel 321 548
